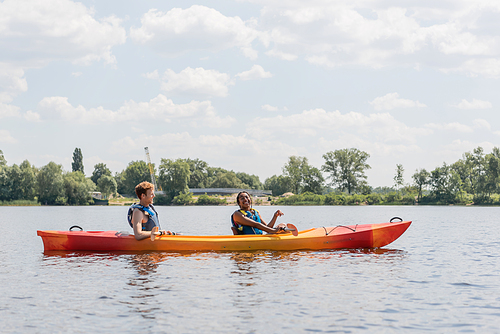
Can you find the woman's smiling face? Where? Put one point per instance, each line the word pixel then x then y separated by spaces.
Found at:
pixel 244 201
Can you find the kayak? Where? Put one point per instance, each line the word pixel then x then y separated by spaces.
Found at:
pixel 322 238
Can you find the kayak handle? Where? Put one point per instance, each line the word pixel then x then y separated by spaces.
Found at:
pixel 393 218
pixel 75 226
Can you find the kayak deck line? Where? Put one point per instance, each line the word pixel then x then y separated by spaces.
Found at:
pixel 322 238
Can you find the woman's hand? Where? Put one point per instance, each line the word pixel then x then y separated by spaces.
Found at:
pixel 280 228
pixel 278 213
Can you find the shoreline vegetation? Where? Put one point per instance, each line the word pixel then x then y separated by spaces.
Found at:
pixel 289 199
pixel 341 180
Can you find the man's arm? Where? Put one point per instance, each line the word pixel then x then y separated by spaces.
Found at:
pixel 137 217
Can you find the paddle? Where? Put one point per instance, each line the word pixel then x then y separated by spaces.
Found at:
pixel 154 231
pixel 292 228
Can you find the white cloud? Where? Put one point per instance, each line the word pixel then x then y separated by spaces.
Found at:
pixel 76 74
pixel 375 148
pixel 489 68
pixel 195 28
pixel 454 126
pixel 481 124
pixel 5 137
pixel 159 108
pixel 392 100
pixel 12 82
pixel 256 72
pixel 196 81
pixel 31 116
pixel 457 147
pixel 268 107
pixel 281 55
pixel 376 127
pixel 152 75
pixel 55 29
pixel 475 104
pixel 377 34
pixel 8 110
pixel 223 148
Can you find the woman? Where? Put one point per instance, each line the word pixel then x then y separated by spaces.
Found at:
pixel 247 220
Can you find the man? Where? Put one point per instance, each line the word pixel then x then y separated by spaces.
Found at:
pixel 143 217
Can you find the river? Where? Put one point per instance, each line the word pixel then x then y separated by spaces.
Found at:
pixel 441 276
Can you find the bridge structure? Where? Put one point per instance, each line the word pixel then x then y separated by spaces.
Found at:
pixel 229 191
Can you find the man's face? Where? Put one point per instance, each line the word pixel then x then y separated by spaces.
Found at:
pixel 148 197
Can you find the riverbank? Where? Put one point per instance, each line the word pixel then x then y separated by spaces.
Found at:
pixel 289 199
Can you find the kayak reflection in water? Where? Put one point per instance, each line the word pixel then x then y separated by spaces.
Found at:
pixel 248 221
pixel 142 217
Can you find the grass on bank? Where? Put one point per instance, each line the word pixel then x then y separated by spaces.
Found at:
pixel 20 202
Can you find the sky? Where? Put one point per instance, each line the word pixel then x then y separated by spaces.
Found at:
pixel 243 85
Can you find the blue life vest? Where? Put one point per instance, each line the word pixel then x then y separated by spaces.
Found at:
pixel 245 229
pixel 149 211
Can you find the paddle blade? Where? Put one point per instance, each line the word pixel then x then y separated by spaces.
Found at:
pixel 153 233
pixel 293 229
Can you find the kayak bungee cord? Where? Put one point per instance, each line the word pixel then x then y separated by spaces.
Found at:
pixel 352 229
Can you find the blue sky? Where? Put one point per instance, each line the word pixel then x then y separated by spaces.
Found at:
pixel 244 85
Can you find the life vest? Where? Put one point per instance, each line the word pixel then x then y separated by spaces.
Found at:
pixel 149 211
pixel 245 229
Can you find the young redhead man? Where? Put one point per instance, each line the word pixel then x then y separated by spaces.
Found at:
pixel 143 217
pixel 247 220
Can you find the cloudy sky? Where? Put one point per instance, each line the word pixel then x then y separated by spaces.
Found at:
pixel 244 85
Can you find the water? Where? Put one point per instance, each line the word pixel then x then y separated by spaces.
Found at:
pixel 442 276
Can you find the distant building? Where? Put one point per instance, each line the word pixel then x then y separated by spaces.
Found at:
pixel 96 195
pixel 229 191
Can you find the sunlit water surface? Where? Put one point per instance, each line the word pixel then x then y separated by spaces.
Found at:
pixel 442 275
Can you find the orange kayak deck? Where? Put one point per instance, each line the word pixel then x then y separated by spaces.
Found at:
pixel 322 238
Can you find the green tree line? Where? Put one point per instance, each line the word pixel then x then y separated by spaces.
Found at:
pixel 475 178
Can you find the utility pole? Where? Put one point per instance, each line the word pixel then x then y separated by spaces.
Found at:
pixel 151 169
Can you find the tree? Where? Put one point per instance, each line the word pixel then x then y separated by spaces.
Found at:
pixel 100 169
pixel 15 183
pixel 199 176
pixel 5 183
pixel 294 171
pixel 346 167
pixel 77 164
pixel 227 180
pixel 278 184
pixel 28 180
pixel 107 185
pixel 3 162
pixel 303 177
pixel 50 184
pixel 471 169
pixel 78 188
pixel 252 181
pixel 421 179
pixel 492 177
pixel 135 173
pixel 445 184
pixel 398 178
pixel 211 177
pixel 174 176
pixel 312 180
